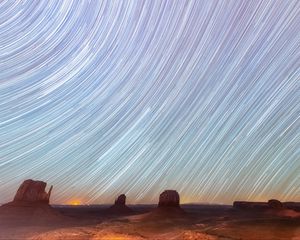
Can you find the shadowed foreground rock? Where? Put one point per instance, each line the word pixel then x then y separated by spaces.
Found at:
pixel 169 198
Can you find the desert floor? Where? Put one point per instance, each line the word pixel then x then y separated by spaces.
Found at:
pixel 198 222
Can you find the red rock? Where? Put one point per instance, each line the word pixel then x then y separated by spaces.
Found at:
pixel 33 191
pixel 169 198
pixel 121 200
pixel 30 205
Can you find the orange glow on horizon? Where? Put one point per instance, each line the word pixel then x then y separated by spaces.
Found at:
pixel 75 202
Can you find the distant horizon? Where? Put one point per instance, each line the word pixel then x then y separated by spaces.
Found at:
pixel 78 202
pixel 185 203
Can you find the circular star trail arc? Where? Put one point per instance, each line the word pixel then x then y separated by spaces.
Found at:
pixel 100 98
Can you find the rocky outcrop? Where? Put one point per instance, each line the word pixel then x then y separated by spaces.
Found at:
pixel 30 205
pixel 121 200
pixel 169 198
pixel 120 208
pixel 271 204
pixel 275 204
pixel 33 191
pixel 168 207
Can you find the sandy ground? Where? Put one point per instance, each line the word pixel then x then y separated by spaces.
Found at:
pixel 197 223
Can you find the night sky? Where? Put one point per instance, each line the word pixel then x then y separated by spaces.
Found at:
pixel 100 98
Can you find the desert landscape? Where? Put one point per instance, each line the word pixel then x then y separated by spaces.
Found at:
pixel 30 216
pixel 149 120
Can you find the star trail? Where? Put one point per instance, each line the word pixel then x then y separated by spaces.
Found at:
pixel 106 97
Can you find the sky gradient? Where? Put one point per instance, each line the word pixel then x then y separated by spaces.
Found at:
pixel 100 98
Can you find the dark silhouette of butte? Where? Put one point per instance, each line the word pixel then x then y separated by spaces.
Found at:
pixel 120 208
pixel 168 205
pixel 169 198
pixel 121 200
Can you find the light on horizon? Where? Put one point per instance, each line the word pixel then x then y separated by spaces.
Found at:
pixel 75 202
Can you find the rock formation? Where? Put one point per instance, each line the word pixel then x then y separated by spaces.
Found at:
pixel 168 207
pixel 169 198
pixel 30 204
pixel 33 191
pixel 120 208
pixel 275 204
pixel 271 204
pixel 121 200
